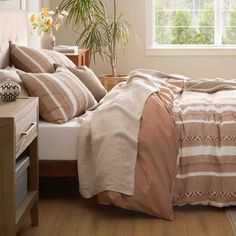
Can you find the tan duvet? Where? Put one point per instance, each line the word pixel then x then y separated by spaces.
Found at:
pixel 186 150
pixel 156 163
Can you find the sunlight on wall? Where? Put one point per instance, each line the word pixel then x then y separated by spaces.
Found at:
pixel 134 55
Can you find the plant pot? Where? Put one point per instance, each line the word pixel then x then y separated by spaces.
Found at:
pixel 47 40
pixel 108 81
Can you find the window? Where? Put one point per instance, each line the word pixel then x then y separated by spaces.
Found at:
pixel 191 23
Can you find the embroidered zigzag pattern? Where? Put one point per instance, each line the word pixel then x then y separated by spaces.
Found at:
pixel 208 138
pixel 206 193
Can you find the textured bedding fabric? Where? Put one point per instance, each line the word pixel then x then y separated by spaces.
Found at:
pixel 58 142
pixel 37 60
pixel 155 165
pixel 206 127
pixel 210 85
pixel 108 146
pixel 61 95
pixel 186 147
pixel 89 79
pixel 110 130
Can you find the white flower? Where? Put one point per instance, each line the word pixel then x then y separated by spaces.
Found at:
pixel 51 12
pixel 60 17
pixel 65 13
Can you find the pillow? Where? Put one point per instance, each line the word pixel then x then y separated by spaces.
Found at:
pixel 10 73
pixel 37 60
pixel 90 80
pixel 61 95
pixel 59 58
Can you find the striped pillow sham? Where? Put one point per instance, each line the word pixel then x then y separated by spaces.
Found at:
pixel 37 60
pixel 88 78
pixel 59 58
pixel 61 95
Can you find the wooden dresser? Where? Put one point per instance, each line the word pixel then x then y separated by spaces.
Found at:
pixel 18 139
pixel 80 58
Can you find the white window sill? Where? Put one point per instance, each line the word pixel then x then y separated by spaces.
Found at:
pixel 191 51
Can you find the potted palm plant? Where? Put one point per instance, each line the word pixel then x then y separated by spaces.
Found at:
pixel 101 33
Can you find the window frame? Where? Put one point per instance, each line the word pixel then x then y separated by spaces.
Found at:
pixel 153 49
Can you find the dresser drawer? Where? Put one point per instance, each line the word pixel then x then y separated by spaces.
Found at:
pixel 26 127
pixel 18 164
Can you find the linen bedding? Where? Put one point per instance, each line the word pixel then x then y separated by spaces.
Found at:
pixel 161 140
pixel 206 127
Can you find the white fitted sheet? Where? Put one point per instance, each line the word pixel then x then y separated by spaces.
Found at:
pixel 58 141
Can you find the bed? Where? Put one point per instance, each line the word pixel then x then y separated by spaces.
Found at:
pixel 62 160
pixel 179 149
pixel 173 144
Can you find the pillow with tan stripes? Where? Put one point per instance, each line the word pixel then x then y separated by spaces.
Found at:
pixel 61 95
pixel 88 78
pixel 37 60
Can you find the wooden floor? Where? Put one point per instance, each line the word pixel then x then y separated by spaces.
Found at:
pixel 64 213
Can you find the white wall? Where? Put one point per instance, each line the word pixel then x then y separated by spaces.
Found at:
pixel 46 3
pixel 11 5
pixel 134 55
pixel 29 5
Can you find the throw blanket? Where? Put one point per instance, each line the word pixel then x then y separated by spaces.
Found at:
pixel 156 162
pixel 108 139
pixel 111 138
pixel 206 127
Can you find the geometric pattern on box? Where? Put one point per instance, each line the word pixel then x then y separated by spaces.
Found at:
pixel 9 91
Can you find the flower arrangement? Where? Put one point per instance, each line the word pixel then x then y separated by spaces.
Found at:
pixel 46 20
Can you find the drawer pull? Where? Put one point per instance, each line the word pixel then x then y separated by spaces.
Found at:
pixel 32 125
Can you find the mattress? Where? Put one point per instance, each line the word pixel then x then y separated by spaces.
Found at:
pixel 58 141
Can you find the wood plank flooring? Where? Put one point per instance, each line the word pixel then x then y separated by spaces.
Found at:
pixel 64 213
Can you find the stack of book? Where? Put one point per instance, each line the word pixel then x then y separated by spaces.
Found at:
pixel 66 49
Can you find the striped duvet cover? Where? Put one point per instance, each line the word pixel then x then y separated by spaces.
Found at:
pixel 206 166
pixel 194 127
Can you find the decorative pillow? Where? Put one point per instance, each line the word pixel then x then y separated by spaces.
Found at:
pixel 89 79
pixel 37 60
pixel 61 95
pixel 10 73
pixel 59 58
